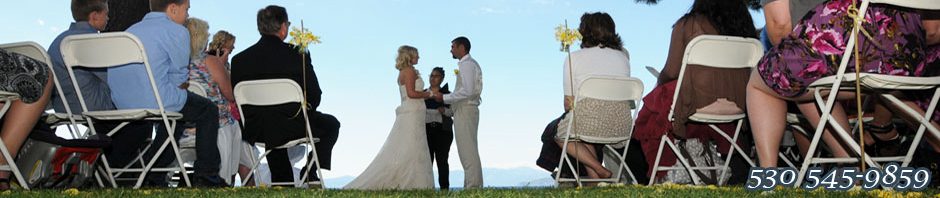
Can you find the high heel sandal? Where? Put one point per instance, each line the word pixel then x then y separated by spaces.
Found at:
pixel 890 147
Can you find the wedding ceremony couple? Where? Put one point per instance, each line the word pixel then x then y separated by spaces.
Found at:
pixel 404 161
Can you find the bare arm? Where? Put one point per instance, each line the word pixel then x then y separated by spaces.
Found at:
pixel 779 24
pixel 220 75
pixel 409 76
pixel 677 46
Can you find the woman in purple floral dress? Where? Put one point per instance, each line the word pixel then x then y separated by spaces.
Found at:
pixel 814 50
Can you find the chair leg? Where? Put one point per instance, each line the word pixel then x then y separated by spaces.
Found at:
pixel 659 154
pixel 254 168
pixel 622 161
pixel 176 152
pixel 107 170
pixel 316 161
pixel 734 148
pixel 684 161
pixel 12 165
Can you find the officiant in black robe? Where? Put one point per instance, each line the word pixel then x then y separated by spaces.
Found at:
pixel 439 128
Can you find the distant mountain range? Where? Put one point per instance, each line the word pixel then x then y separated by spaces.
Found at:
pixel 492 177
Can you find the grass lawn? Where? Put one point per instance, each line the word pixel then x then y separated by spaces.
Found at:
pixel 619 191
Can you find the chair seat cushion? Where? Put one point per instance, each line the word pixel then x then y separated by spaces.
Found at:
pixel 132 114
pixel 56 118
pixel 715 118
pixel 882 81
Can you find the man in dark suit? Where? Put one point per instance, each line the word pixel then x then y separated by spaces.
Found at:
pixel 271 58
pixel 439 127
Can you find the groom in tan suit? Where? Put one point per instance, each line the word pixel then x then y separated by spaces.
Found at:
pixel 465 100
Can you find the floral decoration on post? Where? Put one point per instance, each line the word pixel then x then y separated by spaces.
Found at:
pixel 302 38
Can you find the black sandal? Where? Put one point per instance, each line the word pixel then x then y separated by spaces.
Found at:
pixel 5 184
pixel 891 147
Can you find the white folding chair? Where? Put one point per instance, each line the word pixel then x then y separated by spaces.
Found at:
pixel 878 83
pixel 117 49
pixel 724 52
pixel 603 113
pixel 35 51
pixel 7 99
pixel 275 92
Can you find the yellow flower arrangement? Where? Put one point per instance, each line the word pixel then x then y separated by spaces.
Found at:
pixel 302 38
pixel 566 36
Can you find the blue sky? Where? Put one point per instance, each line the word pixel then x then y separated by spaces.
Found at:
pixel 513 40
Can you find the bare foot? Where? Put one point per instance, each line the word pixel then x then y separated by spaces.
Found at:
pixel 591 174
pixel 603 173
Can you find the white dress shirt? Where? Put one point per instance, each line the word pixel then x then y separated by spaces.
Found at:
pixel 469 85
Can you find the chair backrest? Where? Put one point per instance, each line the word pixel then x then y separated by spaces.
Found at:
pixel 29 49
pixel 266 93
pixel 605 108
pixel 103 50
pixel 728 52
pixel 35 51
pixel 107 50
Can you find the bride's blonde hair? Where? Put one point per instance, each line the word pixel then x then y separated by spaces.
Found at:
pixel 405 55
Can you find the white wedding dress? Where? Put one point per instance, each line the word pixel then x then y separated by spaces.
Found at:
pixel 404 161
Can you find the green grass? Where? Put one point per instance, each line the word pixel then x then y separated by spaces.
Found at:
pixel 622 191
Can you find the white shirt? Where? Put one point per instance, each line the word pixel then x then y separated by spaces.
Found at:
pixel 469 83
pixel 595 61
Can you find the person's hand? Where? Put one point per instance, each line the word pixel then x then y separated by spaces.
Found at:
pixel 439 97
pixel 440 109
pixel 185 85
pixel 225 54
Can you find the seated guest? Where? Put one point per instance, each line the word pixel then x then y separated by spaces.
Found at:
pixel 210 73
pixel 90 17
pixel 30 79
pixel 220 48
pixel 439 125
pixel 271 58
pixel 705 90
pixel 601 53
pixel 813 51
pixel 167 44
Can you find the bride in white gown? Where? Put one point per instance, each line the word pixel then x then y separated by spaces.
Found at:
pixel 404 161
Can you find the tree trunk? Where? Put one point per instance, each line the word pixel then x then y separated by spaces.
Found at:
pixel 124 13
